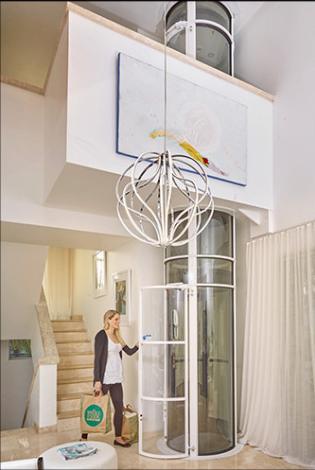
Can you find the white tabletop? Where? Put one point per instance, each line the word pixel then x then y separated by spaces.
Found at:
pixel 104 458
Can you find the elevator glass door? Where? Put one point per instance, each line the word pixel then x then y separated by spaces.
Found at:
pixel 163 372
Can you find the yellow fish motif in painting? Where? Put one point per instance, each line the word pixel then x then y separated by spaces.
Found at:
pixel 189 149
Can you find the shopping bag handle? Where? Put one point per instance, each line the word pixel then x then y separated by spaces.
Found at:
pixel 129 408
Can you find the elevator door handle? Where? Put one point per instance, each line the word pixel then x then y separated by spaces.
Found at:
pixel 175 323
pixel 178 360
pixel 225 361
pixel 212 359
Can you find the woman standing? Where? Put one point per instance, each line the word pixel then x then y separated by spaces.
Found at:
pixel 108 371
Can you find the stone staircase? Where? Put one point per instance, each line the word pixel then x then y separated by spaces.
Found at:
pixel 75 370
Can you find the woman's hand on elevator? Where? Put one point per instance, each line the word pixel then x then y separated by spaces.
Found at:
pixel 98 388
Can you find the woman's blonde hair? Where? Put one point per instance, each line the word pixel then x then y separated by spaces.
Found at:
pixel 108 316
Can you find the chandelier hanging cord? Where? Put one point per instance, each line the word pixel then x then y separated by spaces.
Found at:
pixel 165 75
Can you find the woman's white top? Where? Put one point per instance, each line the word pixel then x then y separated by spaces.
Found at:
pixel 113 371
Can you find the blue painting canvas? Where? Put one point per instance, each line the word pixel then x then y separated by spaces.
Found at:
pixel 200 123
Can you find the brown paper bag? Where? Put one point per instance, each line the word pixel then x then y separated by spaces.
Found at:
pixel 95 414
pixel 130 424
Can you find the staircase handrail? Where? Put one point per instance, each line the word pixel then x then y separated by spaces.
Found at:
pixel 50 354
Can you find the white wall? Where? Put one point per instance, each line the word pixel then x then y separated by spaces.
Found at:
pixel 146 264
pixel 276 51
pixel 42 410
pixel 16 377
pixel 47 396
pixel 22 269
pixel 92 82
pixel 22 135
pixel 23 169
pixel 56 114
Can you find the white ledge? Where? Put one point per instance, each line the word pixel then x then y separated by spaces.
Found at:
pixel 170 52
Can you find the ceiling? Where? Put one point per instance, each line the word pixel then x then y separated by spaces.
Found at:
pixel 30 31
pixel 51 236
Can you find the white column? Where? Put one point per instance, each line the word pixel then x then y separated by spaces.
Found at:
pixel 193 344
pixel 190 37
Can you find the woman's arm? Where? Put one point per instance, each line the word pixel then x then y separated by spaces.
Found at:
pixel 125 348
pixel 130 351
pixel 98 350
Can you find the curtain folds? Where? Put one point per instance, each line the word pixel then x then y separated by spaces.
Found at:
pixel 57 283
pixel 278 383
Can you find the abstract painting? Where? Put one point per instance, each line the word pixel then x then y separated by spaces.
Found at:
pixel 199 122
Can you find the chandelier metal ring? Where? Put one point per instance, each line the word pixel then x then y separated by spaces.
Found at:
pixel 147 204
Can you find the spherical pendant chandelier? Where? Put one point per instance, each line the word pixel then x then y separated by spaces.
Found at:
pixel 152 189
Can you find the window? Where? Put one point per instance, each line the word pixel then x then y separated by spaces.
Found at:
pixel 99 273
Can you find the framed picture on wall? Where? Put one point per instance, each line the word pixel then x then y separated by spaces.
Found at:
pixel 99 273
pixel 122 288
pixel 19 348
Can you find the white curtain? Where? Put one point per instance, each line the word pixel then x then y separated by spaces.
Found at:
pixel 278 383
pixel 57 283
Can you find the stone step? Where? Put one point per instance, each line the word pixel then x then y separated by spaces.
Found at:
pixel 70 360
pixel 75 347
pixel 68 404
pixel 71 336
pixel 75 366
pixel 75 380
pixel 84 386
pixel 77 318
pixel 69 396
pixel 67 326
pixel 74 373
pixel 69 414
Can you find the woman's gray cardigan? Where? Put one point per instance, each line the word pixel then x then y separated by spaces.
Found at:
pixel 101 353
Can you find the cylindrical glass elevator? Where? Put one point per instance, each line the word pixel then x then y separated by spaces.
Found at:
pixel 189 352
pixel 203 30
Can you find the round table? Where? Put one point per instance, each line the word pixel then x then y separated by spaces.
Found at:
pixel 104 458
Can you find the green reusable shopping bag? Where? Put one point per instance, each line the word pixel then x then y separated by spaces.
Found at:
pixel 95 414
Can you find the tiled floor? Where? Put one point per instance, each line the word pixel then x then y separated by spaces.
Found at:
pixel 26 443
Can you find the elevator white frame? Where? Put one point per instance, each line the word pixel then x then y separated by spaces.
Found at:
pixel 190 30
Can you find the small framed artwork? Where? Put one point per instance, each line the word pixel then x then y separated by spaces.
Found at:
pixel 99 273
pixel 122 281
pixel 20 348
